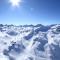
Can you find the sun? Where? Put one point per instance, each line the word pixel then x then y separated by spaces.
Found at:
pixel 15 3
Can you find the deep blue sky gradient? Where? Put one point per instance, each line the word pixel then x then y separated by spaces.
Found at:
pixel 30 12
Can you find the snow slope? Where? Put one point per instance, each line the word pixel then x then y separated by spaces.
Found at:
pixel 30 42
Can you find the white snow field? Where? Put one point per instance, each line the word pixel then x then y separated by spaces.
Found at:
pixel 30 42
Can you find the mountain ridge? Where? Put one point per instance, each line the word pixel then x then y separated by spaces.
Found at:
pixel 30 42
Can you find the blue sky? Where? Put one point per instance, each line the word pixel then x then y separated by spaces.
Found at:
pixel 30 12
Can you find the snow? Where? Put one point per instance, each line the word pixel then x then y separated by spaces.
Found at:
pixel 48 40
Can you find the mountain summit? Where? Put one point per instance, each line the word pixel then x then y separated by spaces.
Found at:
pixel 30 42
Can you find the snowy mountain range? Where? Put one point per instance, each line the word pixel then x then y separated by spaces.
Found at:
pixel 30 42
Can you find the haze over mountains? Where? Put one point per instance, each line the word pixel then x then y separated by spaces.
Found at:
pixel 30 42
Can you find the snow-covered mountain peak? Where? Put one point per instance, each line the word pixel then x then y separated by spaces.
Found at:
pixel 53 34
pixel 29 42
